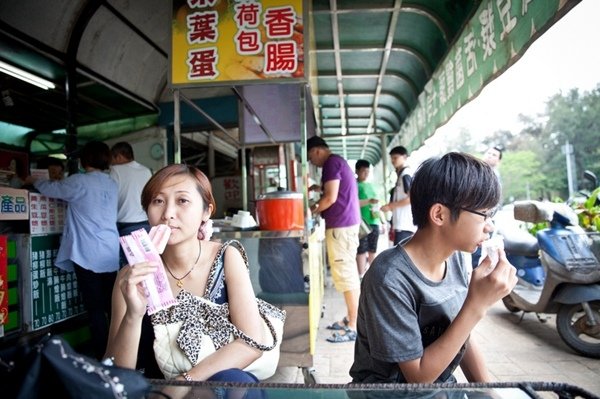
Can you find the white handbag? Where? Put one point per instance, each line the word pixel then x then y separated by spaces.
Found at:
pixel 196 327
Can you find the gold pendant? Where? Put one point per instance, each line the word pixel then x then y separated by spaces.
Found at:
pixel 180 283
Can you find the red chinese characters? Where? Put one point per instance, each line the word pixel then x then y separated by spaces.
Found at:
pixel 203 27
pixel 280 22
pixel 202 63
pixel 269 39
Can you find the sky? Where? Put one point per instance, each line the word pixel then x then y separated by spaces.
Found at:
pixel 566 56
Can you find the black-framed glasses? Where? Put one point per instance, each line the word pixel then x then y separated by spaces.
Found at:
pixel 486 215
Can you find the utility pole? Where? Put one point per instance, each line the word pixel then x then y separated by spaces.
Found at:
pixel 568 151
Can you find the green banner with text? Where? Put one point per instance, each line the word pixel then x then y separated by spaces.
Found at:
pixel 495 38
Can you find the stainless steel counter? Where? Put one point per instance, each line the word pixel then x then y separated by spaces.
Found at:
pixel 232 233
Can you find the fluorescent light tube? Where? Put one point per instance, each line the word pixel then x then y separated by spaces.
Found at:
pixel 26 76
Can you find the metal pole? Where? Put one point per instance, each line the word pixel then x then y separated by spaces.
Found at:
pixel 568 148
pixel 176 128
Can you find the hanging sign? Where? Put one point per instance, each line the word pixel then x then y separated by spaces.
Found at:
pixel 498 34
pixel 217 41
pixel 14 204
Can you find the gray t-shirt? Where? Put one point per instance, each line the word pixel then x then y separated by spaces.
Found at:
pixel 401 312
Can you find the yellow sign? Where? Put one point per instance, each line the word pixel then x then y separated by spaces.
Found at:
pixel 217 41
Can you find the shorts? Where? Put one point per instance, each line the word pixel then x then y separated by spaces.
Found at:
pixel 369 242
pixel 342 243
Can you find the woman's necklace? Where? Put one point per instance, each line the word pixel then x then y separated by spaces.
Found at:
pixel 180 280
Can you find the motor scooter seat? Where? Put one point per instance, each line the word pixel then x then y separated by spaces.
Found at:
pixel 522 243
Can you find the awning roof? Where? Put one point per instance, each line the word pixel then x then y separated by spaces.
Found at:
pixel 380 64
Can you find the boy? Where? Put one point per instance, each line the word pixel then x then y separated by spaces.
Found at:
pixel 417 306
pixel 369 211
pixel 402 223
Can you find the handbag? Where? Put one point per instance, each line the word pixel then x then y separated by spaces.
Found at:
pixel 364 229
pixel 52 367
pixel 184 338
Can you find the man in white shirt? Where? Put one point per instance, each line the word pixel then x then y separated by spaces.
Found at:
pixel 131 177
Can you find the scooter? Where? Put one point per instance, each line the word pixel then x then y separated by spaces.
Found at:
pixel 559 273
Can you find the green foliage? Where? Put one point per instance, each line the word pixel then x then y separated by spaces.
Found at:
pixel 588 212
pixel 534 164
pixel 521 176
pixel 534 228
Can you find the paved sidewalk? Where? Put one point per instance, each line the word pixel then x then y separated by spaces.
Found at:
pixel 515 350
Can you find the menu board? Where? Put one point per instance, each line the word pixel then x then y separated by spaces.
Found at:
pixel 47 215
pixel 54 293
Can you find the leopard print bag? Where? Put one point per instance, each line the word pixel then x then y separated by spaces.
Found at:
pixel 196 327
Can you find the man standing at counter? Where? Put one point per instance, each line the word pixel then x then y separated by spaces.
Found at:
pixel 339 207
pixel 131 177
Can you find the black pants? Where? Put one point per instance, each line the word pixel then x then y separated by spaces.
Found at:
pixel 96 291
pixel 401 235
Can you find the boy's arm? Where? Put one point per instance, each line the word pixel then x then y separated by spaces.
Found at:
pixel 485 289
pixel 473 364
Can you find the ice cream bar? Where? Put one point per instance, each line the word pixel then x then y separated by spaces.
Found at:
pixel 138 247
pixel 490 248
pixel 159 235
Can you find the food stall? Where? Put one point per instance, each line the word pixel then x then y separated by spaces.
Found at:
pixel 265 69
pixel 285 245
pixel 35 295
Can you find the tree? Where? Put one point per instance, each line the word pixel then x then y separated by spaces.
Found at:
pixel 574 117
pixel 521 176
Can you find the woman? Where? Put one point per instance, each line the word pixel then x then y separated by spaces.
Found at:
pixel 90 241
pixel 180 196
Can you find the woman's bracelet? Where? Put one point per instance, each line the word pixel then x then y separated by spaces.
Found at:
pixel 186 377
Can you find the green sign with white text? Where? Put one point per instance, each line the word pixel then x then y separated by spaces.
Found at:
pixel 495 38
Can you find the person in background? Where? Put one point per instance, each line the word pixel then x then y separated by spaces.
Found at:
pixel 339 207
pixel 55 167
pixel 15 177
pixel 402 223
pixel 493 157
pixel 90 241
pixel 369 211
pixel 418 307
pixel 180 196
pixel 131 176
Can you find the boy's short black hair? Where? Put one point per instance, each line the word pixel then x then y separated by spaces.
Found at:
pixel 399 150
pixel 362 163
pixel 315 141
pixel 456 180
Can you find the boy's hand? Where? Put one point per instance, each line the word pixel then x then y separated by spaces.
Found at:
pixel 490 284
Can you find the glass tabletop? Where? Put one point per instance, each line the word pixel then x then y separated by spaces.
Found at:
pixel 512 390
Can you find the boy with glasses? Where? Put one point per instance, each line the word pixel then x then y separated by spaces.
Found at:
pixel 417 305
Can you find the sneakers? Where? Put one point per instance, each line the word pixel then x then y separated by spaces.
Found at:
pixel 348 336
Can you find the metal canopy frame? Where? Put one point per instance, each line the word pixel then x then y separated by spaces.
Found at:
pixel 374 65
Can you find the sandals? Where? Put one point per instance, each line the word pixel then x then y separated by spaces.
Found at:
pixel 337 326
pixel 337 337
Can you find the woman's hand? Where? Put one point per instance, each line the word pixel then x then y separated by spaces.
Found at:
pixel 132 287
